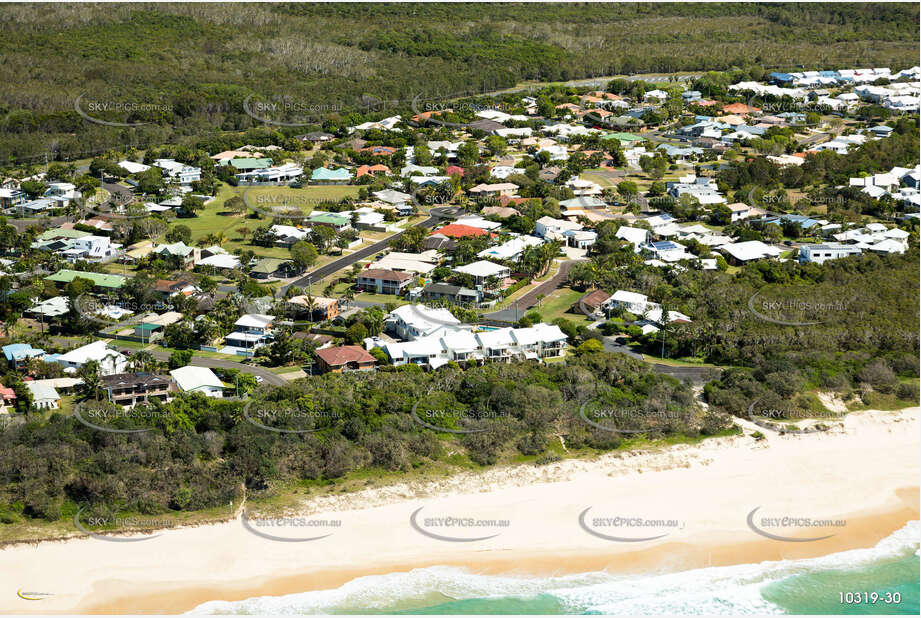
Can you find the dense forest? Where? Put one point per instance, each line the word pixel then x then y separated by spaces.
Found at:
pixel 185 70
pixel 201 453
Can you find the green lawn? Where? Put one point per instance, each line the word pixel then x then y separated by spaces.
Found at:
pixel 558 304
pixel 214 219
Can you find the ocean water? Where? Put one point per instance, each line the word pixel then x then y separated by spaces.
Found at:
pixel 808 586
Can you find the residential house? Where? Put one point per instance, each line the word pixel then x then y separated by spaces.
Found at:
pixel 320 307
pixel 383 281
pixel 323 175
pixel 819 254
pixel 109 361
pixel 411 322
pixel 267 268
pixel 130 389
pixel 344 358
pixel 100 280
pixel 182 173
pixel 280 174
pixel 185 255
pixel 483 271
pixel 198 380
pixel 454 293
pixel 44 397
pixel 17 354
pixel 742 252
pixel 494 190
pixel 251 331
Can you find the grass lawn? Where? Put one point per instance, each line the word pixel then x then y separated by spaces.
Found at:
pixel 558 304
pixel 214 219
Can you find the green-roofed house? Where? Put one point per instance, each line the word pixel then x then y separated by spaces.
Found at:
pixel 337 222
pixel 60 232
pixel 100 280
pixel 250 164
pixel 145 331
pixel 324 175
pixel 627 139
pixel 273 267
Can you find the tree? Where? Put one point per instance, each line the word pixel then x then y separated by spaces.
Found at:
pixel 412 240
pixel 192 204
pixel 150 182
pixel 304 254
pixel 179 233
pixel 92 381
pixel 235 205
pixel 356 333
pixel 179 358
pixel 142 360
pixel 322 236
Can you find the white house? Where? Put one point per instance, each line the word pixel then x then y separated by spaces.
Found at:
pixel 548 227
pixel 636 236
pixel 411 322
pixel 184 174
pixel 819 254
pixel 198 380
pixel 482 271
pixel 44 396
pixel 110 361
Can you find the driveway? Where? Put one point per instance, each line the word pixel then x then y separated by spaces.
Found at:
pixel 218 363
pixel 520 306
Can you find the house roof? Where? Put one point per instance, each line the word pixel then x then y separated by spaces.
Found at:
pixel 191 378
pixel 101 280
pixel 483 268
pixel 458 230
pixel 342 355
pixel 126 380
pixel 595 299
pixel 387 275
pixel 254 320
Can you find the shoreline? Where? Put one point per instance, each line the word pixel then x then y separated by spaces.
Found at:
pixel 709 487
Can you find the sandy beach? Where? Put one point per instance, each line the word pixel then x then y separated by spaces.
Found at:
pixel 697 501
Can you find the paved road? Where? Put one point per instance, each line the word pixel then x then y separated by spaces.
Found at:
pixel 519 307
pixel 436 215
pixel 216 363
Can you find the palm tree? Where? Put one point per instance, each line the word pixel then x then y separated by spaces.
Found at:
pixel 142 360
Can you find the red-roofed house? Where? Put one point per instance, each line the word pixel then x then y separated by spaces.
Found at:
pixel 739 108
pixel 374 170
pixel 381 151
pixel 345 358
pixel 458 230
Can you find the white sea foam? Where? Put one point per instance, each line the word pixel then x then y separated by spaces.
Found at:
pixel 714 590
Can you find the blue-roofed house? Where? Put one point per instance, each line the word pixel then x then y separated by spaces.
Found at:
pixel 16 353
pixel 781 78
pixel 804 222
